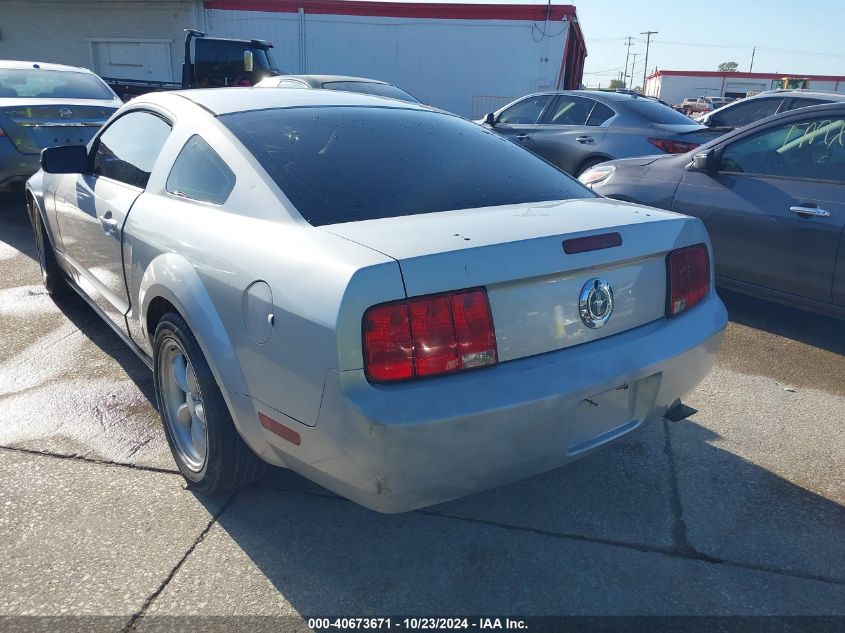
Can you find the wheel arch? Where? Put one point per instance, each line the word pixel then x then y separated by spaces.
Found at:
pixel 171 283
pixel 592 159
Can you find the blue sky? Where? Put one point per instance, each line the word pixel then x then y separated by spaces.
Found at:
pixel 792 37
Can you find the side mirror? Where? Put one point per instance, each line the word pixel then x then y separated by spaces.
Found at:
pixel 68 159
pixel 704 162
pixel 248 61
pixel 490 119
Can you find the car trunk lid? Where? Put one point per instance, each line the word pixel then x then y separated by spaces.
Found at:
pixel 516 252
pixel 32 126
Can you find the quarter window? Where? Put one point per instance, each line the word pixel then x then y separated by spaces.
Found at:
pixel 200 174
pixel 600 115
pixel 525 112
pixel 813 149
pixel 128 148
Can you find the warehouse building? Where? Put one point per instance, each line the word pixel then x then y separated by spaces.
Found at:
pixel 673 86
pixel 466 58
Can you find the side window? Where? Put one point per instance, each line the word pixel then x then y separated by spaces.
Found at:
pixel 600 115
pixel 200 174
pixel 526 111
pixel 747 112
pixel 569 111
pixel 800 103
pixel 813 149
pixel 128 149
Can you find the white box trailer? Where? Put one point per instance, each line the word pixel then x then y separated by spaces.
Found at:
pixel 673 86
pixel 469 59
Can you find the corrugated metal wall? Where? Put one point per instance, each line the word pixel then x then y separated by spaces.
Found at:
pixel 464 66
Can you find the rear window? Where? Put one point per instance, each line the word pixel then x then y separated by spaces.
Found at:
pixel 343 164
pixel 51 84
pixel 370 88
pixel 656 112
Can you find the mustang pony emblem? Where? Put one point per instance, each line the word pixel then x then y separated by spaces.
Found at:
pixel 596 303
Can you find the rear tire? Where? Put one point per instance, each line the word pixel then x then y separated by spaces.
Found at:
pixel 52 276
pixel 207 448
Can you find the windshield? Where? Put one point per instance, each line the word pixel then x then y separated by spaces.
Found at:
pixel 370 88
pixel 656 112
pixel 342 164
pixel 51 84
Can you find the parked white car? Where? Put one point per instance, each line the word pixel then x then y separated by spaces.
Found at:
pixel 395 302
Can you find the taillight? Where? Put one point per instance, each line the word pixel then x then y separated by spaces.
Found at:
pixel 688 278
pixel 2 132
pixel 428 336
pixel 672 147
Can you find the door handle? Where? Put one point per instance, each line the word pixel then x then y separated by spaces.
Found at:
pixel 807 211
pixel 109 224
pixel 584 139
pixel 521 137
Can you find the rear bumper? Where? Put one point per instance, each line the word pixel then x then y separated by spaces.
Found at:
pixel 15 168
pixel 399 447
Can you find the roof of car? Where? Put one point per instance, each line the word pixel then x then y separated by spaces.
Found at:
pixel 11 64
pixel 228 100
pixel 833 96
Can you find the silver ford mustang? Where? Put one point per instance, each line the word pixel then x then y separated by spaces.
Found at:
pixel 394 302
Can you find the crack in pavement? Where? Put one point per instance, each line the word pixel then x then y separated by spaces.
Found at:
pixel 135 620
pixel 680 540
pixel 90 460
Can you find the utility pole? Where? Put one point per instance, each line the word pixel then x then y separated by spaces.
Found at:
pixel 751 67
pixel 648 35
pixel 633 65
pixel 626 61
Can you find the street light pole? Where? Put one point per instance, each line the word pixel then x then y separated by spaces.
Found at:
pixel 648 35
pixel 751 67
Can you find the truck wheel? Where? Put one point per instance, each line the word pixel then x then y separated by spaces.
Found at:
pixel 52 275
pixel 207 448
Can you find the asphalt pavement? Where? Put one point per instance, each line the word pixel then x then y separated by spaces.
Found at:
pixel 738 510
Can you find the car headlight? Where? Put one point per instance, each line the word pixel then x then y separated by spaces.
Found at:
pixel 596 175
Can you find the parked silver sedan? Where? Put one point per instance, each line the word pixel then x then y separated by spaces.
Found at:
pixel 44 105
pixel 392 301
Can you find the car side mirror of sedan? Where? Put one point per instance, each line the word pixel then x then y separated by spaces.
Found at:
pixel 68 159
pixel 490 119
pixel 704 162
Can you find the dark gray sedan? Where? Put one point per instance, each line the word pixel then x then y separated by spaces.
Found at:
pixel 578 129
pixel 772 196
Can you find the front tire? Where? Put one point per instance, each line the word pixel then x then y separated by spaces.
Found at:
pixel 52 275
pixel 207 448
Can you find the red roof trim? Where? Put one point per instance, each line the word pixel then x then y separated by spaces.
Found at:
pixel 740 75
pixel 431 10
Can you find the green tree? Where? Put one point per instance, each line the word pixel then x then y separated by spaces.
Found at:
pixel 728 67
pixel 617 84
